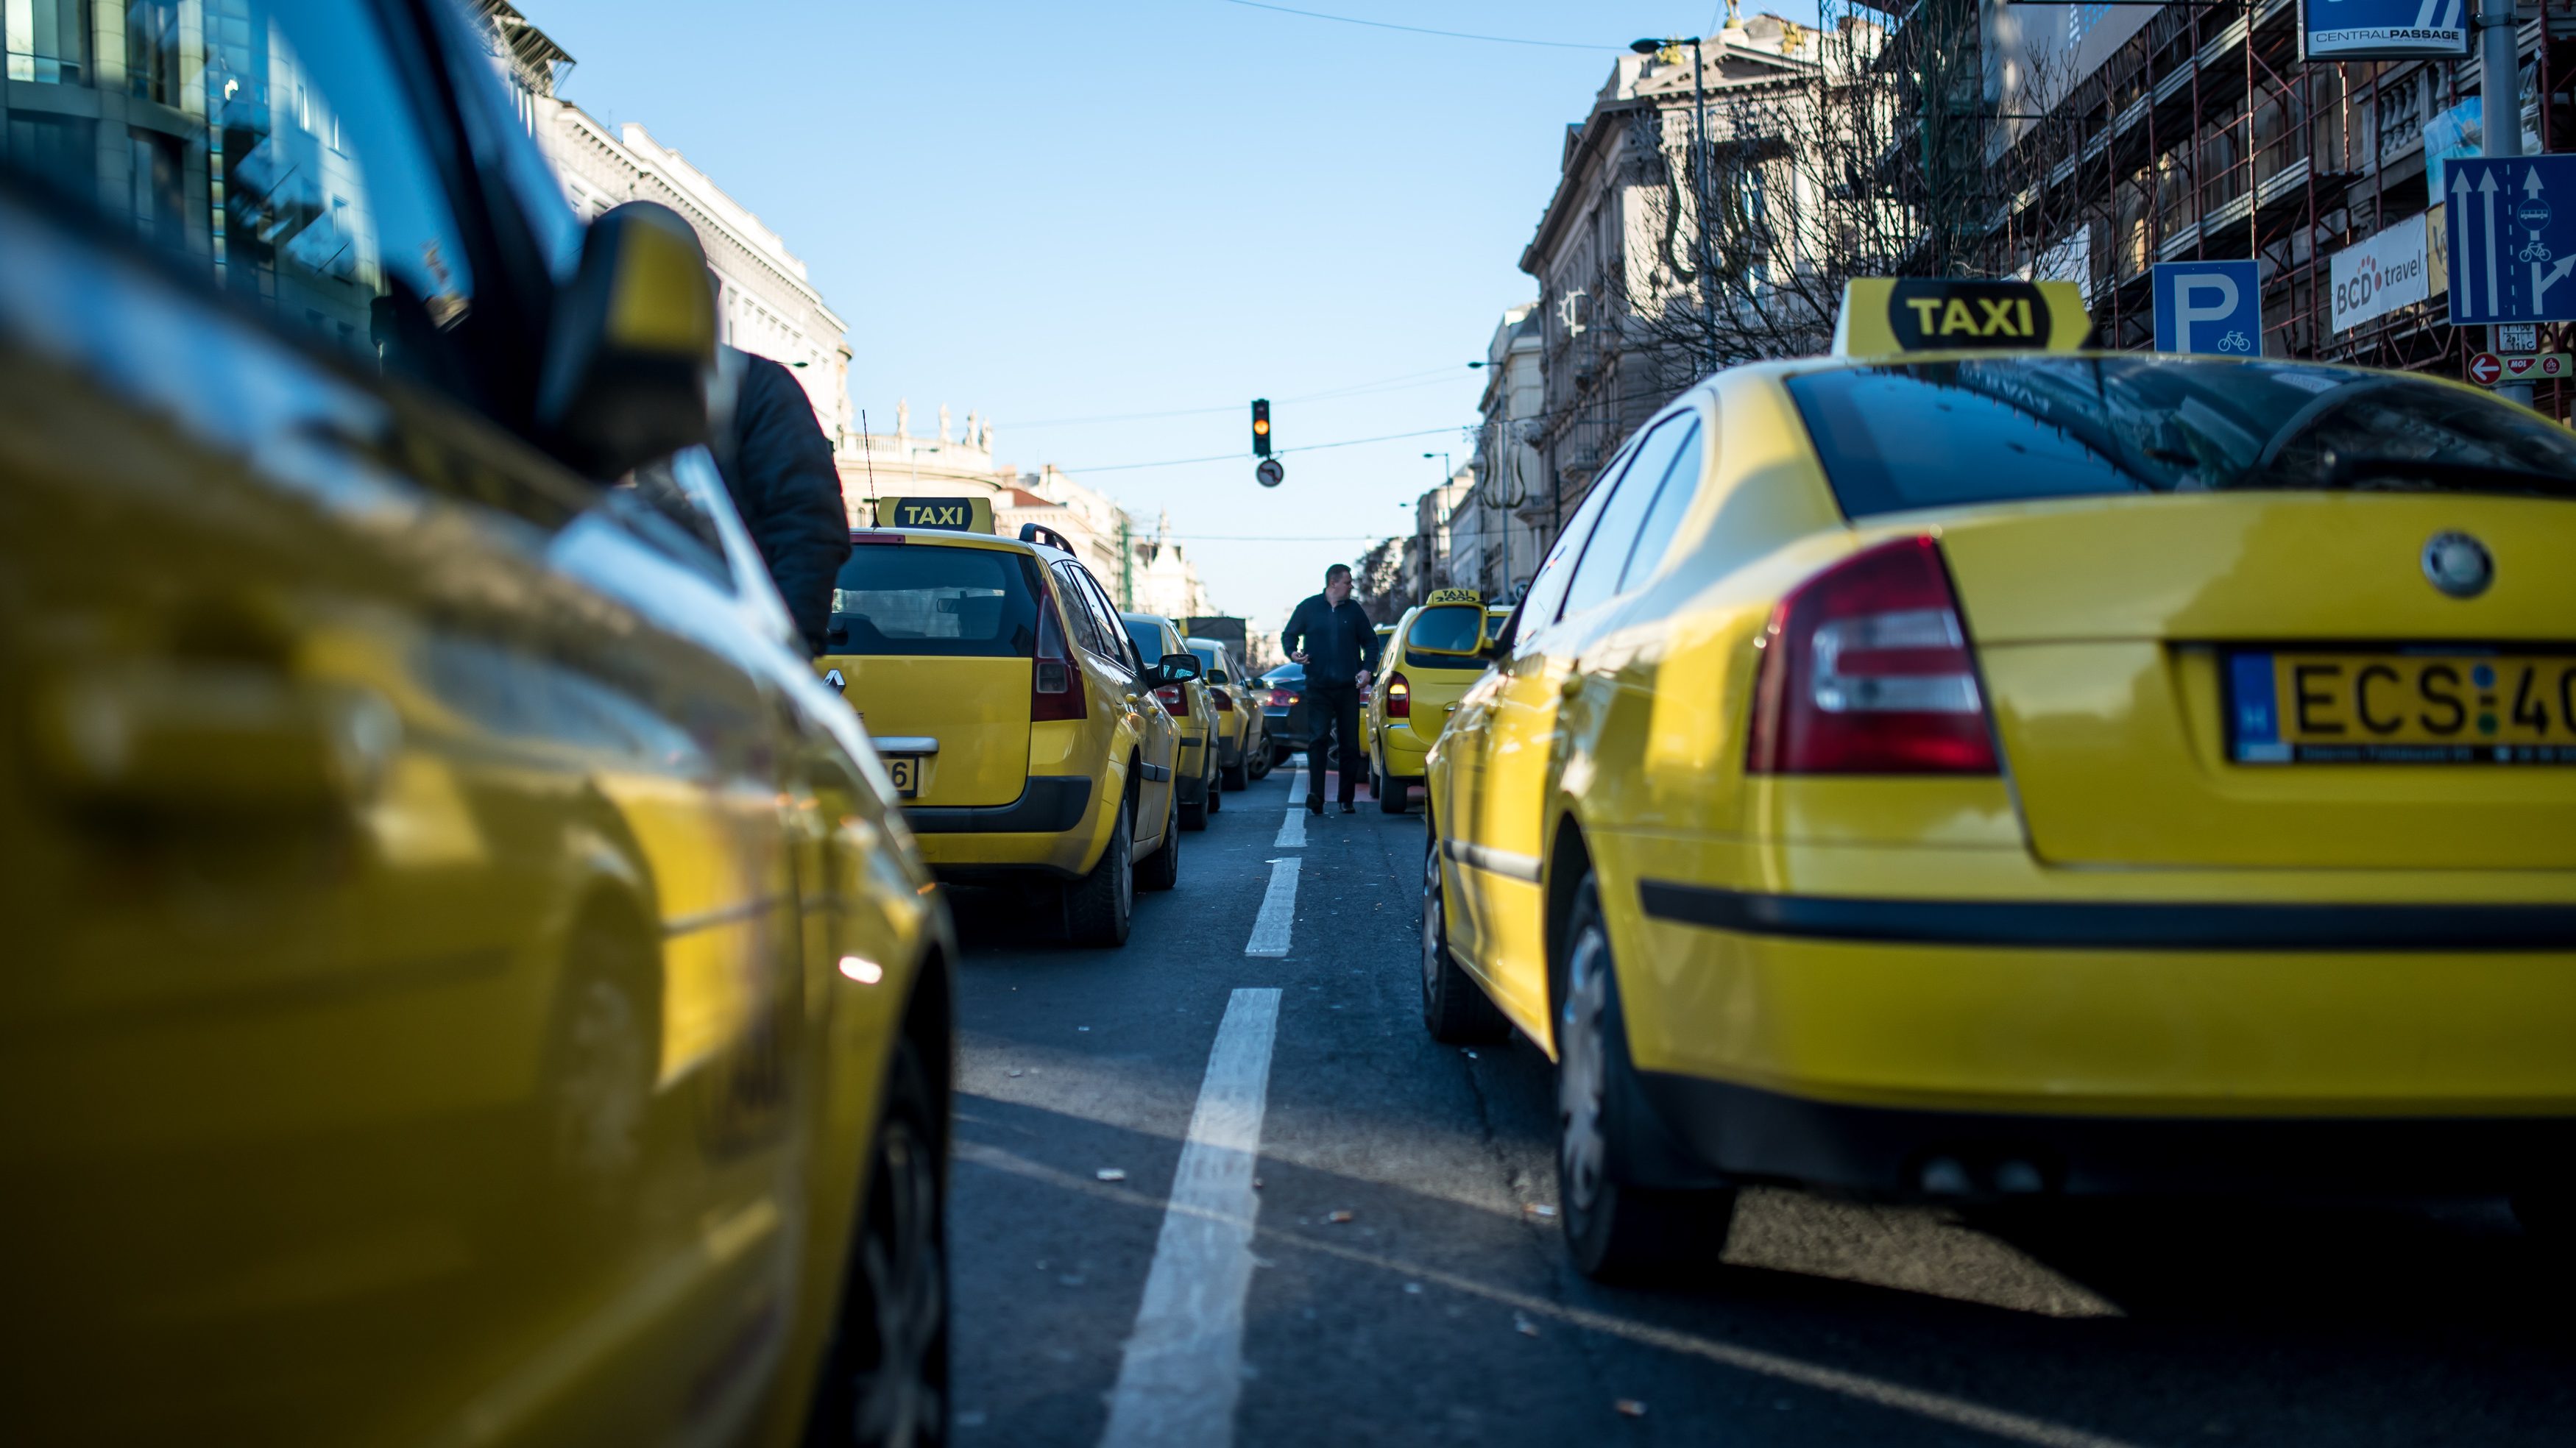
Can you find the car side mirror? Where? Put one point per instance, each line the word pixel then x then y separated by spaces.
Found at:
pixel 1176 669
pixel 632 345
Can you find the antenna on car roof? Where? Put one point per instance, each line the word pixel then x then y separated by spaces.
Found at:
pixel 868 452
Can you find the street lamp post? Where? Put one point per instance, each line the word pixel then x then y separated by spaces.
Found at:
pixel 1699 177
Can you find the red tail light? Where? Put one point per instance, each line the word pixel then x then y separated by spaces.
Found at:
pixel 1176 700
pixel 1055 683
pixel 1223 699
pixel 1283 698
pixel 1866 669
pixel 1399 697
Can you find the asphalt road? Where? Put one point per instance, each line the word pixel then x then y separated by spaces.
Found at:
pixel 1405 1283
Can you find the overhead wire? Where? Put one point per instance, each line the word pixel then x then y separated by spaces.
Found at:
pixel 1355 389
pixel 1423 30
pixel 1234 457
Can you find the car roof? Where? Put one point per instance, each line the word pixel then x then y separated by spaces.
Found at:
pixel 954 538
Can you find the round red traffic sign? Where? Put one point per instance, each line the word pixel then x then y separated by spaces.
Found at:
pixel 2485 368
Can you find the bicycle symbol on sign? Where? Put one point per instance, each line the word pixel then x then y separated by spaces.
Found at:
pixel 2533 250
pixel 2236 341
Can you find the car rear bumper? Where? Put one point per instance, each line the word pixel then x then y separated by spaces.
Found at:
pixel 1044 830
pixel 1747 1134
pixel 2120 1044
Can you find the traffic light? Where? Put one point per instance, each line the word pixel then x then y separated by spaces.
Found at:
pixel 1261 427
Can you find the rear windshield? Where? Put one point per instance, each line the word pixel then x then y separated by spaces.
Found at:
pixel 1210 661
pixel 1452 629
pixel 924 599
pixel 1944 434
pixel 1149 640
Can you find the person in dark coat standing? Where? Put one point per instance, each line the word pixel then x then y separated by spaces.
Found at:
pixel 778 466
pixel 1333 638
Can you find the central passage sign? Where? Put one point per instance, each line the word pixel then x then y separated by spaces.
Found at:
pixel 2382 29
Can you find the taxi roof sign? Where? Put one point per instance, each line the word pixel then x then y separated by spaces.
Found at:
pixel 1440 596
pixel 956 515
pixel 1885 315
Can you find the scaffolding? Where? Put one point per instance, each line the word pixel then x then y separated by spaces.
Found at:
pixel 2204 136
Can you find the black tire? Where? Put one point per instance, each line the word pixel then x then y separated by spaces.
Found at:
pixel 1393 795
pixel 1257 758
pixel 1454 1008
pixel 1162 869
pixel 1215 781
pixel 1238 776
pixel 1099 907
pixel 1615 1231
pixel 884 1382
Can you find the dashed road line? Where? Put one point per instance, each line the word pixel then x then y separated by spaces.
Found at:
pixel 1182 1369
pixel 1278 911
pixel 1292 831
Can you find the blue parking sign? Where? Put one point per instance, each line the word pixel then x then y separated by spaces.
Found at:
pixel 2382 29
pixel 2210 307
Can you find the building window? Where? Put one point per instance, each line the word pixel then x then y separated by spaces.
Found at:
pixel 48 41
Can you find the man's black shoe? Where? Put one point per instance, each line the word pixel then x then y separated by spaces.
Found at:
pixel 1314 806
pixel 1349 808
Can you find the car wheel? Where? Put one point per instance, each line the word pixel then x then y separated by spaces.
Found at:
pixel 1162 869
pixel 884 1382
pixel 1614 1230
pixel 1239 775
pixel 1216 785
pixel 1192 816
pixel 1392 795
pixel 1454 1008
pixel 1098 907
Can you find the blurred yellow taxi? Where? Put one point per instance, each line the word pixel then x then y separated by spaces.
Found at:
pixel 1431 657
pixel 1193 710
pixel 1016 715
pixel 2009 772
pixel 1243 744
pixel 468 980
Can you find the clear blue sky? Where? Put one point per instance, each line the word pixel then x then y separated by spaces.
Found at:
pixel 1067 211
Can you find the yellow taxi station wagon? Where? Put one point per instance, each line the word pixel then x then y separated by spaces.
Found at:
pixel 2025 771
pixel 1432 655
pixel 468 980
pixel 1016 715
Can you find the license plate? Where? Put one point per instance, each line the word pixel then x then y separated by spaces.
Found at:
pixel 906 769
pixel 2411 707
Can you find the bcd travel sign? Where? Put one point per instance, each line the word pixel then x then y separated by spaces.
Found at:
pixel 2382 29
pixel 2375 277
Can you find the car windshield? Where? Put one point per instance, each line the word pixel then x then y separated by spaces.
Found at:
pixel 1946 434
pixel 931 600
pixel 1450 630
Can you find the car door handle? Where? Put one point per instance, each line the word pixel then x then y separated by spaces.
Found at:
pixel 167 737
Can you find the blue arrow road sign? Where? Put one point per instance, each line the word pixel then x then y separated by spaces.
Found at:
pixel 2512 229
pixel 2213 307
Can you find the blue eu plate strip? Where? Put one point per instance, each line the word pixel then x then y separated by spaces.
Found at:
pixel 2258 715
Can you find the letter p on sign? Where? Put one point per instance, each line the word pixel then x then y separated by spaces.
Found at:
pixel 2210 307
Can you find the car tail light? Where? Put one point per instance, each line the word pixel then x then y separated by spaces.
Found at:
pixel 1866 669
pixel 1055 682
pixel 1283 698
pixel 1223 699
pixel 1399 697
pixel 1176 700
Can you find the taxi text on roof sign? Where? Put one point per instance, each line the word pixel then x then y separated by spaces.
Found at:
pixel 957 515
pixel 1883 315
pixel 1452 595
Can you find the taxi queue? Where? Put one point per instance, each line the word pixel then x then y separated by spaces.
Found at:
pixel 477 980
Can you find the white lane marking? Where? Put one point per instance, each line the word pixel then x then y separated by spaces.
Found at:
pixel 1278 911
pixel 1183 1365
pixel 1292 831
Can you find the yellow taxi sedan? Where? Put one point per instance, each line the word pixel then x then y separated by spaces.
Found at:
pixel 1431 656
pixel 2014 773
pixel 467 980
pixel 1197 771
pixel 1017 716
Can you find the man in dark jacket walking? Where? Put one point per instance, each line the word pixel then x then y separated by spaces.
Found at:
pixel 1333 638
pixel 778 466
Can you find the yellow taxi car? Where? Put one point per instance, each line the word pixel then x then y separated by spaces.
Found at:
pixel 1193 711
pixel 467 980
pixel 1015 714
pixel 1431 656
pixel 1243 743
pixel 2018 772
